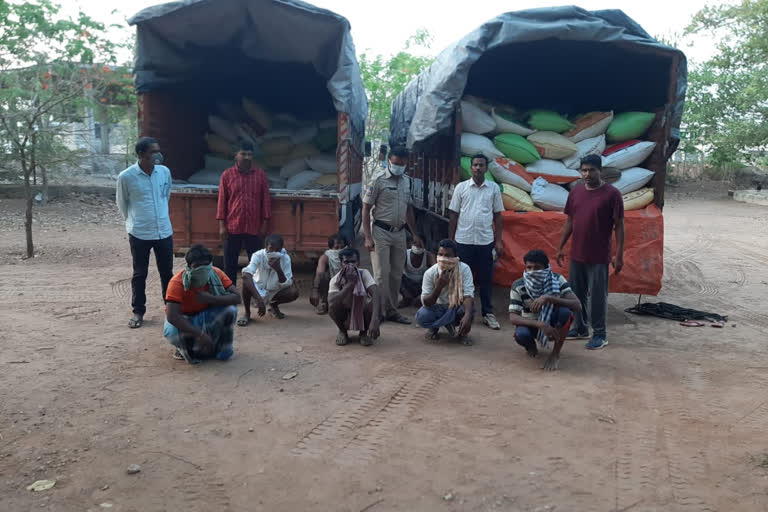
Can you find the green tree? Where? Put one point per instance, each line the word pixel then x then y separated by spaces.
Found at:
pixel 384 77
pixel 51 68
pixel 727 103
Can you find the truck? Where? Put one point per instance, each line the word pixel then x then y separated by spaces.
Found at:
pixel 565 59
pixel 287 55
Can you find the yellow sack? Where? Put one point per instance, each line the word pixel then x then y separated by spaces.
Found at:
pixel 279 146
pixel 516 200
pixel 327 179
pixel 218 145
pixel 638 199
pixel 258 114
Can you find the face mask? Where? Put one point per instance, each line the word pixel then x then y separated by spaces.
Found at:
pixel 197 277
pixel 274 255
pixel 157 158
pixel 418 251
pixel 396 170
pixel 445 263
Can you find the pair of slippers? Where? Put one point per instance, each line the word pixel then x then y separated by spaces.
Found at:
pixel 696 323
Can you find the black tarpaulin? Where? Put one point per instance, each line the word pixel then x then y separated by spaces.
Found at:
pixel 563 58
pixel 194 41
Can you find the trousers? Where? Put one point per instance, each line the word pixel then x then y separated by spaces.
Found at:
pixel 590 284
pixel 140 254
pixel 526 336
pixel 232 247
pixel 480 260
pixel 388 260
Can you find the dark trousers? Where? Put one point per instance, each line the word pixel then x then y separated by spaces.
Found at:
pixel 590 284
pixel 163 257
pixel 480 260
pixel 232 247
pixel 526 336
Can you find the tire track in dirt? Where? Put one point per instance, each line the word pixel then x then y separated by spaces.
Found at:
pixel 358 431
pixel 689 470
pixel 636 479
pixel 78 312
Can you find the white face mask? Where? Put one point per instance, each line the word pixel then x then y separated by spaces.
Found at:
pixel 418 251
pixel 396 170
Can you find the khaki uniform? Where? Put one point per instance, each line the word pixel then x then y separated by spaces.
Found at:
pixel 389 196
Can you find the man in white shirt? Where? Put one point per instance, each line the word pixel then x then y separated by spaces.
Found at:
pixel 475 213
pixel 268 279
pixel 353 296
pixel 447 294
pixel 143 192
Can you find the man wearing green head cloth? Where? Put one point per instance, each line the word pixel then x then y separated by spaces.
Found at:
pixel 201 310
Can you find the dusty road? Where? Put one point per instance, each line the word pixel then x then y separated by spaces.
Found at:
pixel 666 418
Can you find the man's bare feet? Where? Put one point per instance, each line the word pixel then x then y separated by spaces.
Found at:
pixel 365 339
pixel 552 363
pixel 432 335
pixel 532 351
pixel 136 321
pixel 342 338
pixel 276 311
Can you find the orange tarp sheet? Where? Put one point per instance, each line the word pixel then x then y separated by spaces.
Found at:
pixel 643 248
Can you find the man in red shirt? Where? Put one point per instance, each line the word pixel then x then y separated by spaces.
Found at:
pixel 595 210
pixel 244 210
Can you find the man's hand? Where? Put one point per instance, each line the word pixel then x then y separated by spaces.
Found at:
pixel 223 234
pixel 618 264
pixel 274 263
pixel 499 249
pixel 539 303
pixel 443 279
pixel 560 258
pixel 369 245
pixel 205 298
pixel 373 329
pixel 259 303
pixel 466 324
pixel 552 362
pixel 314 297
pixel 264 228
pixel 550 332
pixel 203 344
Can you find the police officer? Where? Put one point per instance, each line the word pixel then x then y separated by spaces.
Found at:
pixel 385 237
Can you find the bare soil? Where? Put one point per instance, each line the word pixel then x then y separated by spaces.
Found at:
pixel 665 418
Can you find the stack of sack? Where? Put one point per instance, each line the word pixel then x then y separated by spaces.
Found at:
pixel 296 154
pixel 535 156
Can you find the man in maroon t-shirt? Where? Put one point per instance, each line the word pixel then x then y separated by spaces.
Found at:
pixel 244 210
pixel 595 210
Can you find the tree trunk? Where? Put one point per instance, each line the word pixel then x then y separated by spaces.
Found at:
pixel 29 197
pixel 44 176
pixel 104 130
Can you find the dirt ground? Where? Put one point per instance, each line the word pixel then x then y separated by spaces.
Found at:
pixel 666 418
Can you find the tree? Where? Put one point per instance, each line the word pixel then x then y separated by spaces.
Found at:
pixel 384 77
pixel 52 68
pixel 727 103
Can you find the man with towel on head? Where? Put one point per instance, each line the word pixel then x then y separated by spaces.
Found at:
pixel 540 305
pixel 328 265
pixel 201 304
pixel 268 279
pixel 447 296
pixel 354 300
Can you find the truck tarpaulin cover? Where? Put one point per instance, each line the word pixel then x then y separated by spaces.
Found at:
pixel 643 248
pixel 170 38
pixel 564 58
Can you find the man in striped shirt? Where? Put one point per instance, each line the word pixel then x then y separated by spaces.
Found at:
pixel 541 304
pixel 244 211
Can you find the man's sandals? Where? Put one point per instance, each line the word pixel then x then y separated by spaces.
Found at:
pixel 136 321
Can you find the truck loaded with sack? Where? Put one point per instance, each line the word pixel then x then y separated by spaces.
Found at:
pixel 281 75
pixel 541 89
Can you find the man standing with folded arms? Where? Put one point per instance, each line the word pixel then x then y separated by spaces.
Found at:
pixel 385 237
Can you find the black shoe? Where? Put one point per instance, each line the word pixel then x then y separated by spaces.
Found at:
pixel 575 334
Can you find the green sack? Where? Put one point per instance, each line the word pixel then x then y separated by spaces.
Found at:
pixel 549 121
pixel 517 148
pixel 325 140
pixel 629 125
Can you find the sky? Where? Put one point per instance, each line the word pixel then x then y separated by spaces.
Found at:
pixel 383 27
